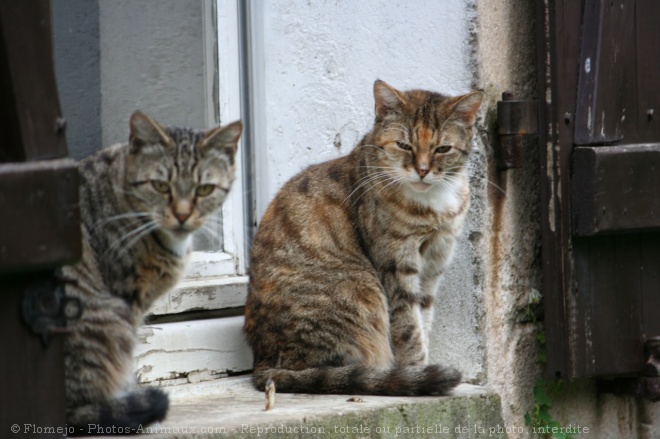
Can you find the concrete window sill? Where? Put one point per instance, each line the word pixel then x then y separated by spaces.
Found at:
pixel 231 407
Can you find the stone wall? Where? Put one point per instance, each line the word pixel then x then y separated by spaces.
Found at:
pixel 510 248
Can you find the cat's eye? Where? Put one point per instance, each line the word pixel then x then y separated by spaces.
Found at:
pixel 161 186
pixel 204 190
pixel 442 149
pixel 404 146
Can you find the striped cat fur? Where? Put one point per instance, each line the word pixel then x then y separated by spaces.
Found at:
pixel 347 259
pixel 140 202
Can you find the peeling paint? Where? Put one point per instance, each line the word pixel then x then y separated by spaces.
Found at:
pixel 145 333
pixel 197 376
pixel 216 345
pixel 550 164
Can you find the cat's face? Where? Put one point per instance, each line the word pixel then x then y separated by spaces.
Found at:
pixel 179 176
pixel 423 139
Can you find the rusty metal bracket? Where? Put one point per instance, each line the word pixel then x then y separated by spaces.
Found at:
pixel 46 310
pixel 652 366
pixel 648 386
pixel 644 387
pixel 515 119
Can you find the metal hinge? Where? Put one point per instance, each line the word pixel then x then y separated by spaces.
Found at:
pixel 515 119
pixel 46 310
pixel 648 386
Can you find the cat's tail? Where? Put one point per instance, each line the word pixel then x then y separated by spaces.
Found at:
pixel 122 415
pixel 358 379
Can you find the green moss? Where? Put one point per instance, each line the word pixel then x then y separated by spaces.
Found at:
pixel 452 417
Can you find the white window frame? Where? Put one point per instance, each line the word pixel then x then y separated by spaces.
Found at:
pixel 226 64
pixel 197 350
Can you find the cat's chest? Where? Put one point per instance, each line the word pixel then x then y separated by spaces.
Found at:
pixel 430 226
pixel 145 274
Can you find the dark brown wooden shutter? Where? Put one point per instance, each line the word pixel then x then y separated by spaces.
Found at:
pixel 599 69
pixel 39 223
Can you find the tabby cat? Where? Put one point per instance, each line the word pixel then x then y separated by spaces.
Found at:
pixel 345 264
pixel 140 202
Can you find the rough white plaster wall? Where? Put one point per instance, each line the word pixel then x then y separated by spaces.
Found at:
pixel 322 57
pixel 320 61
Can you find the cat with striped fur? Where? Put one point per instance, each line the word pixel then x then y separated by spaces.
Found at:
pixel 140 202
pixel 347 259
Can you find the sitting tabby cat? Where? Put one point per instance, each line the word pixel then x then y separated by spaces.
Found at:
pixel 346 261
pixel 139 204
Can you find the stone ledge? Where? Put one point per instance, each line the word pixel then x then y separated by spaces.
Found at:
pixel 231 407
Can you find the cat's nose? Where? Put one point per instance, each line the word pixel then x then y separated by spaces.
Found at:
pixel 422 171
pixel 182 216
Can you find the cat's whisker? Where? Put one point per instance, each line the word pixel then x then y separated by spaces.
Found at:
pixel 130 215
pixel 494 185
pixel 397 246
pixel 369 179
pixel 482 179
pixel 377 148
pixel 445 185
pixel 146 226
pixel 213 220
pixel 128 261
pixel 216 227
pixel 452 176
pixel 210 232
pixel 139 236
pixel 395 180
pixel 390 179
pixel 362 194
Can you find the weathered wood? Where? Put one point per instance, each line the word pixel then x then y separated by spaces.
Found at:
pixel 606 88
pixel 598 282
pixel 40 221
pixel 558 48
pixel 650 282
pixel 203 295
pixel 207 264
pixel 647 39
pixel 618 92
pixel 616 189
pixel 31 123
pixel 32 383
pixel 608 339
pixel 196 351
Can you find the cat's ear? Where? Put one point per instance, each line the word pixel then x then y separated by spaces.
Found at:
pixel 224 139
pixel 466 108
pixel 387 99
pixel 146 131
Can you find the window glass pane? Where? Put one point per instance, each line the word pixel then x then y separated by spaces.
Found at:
pixel 171 73
pixel 209 238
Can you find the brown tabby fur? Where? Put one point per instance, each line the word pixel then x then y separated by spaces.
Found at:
pixel 135 242
pixel 346 261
